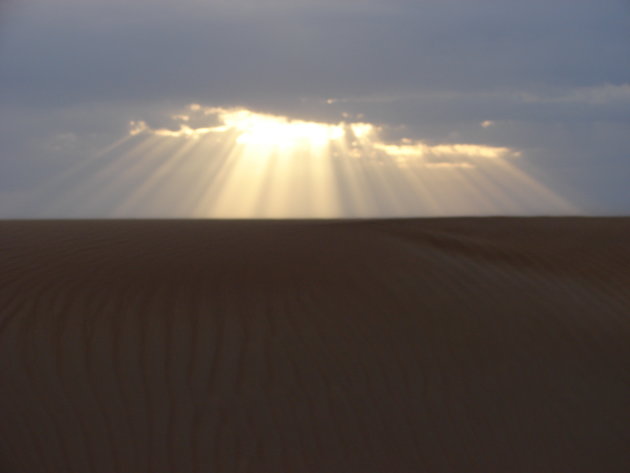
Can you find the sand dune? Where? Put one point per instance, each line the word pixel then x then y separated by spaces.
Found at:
pixel 435 345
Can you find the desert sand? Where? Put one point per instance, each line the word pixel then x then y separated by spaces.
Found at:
pixel 424 345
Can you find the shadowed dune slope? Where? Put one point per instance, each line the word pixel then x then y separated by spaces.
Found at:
pixel 428 345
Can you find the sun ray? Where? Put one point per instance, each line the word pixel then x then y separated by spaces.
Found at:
pixel 95 177
pixel 67 178
pixel 245 164
pixel 120 178
pixel 159 178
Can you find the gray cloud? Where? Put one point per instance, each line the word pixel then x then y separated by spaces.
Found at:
pixel 552 76
pixel 265 54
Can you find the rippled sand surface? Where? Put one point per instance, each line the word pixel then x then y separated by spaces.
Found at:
pixel 428 345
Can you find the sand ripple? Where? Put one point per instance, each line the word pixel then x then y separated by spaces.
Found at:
pixel 454 345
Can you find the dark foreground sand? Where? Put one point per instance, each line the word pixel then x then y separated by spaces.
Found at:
pixel 455 345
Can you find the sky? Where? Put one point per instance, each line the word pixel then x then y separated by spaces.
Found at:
pixel 314 108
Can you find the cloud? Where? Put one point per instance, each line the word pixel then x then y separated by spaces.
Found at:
pixel 359 139
pixel 270 53
pixel 603 94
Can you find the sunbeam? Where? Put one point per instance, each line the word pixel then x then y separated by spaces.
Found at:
pixel 244 164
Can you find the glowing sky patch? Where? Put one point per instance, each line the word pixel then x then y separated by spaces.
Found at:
pixel 213 162
pixel 357 139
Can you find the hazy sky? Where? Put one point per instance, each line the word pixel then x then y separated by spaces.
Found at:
pixel 467 107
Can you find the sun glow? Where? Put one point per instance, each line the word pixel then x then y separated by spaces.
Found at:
pixel 238 163
pixel 269 130
pixel 355 138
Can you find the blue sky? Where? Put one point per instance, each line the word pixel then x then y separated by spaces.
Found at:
pixel 548 81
